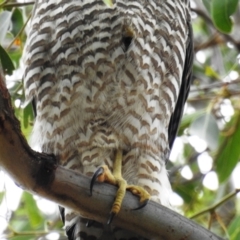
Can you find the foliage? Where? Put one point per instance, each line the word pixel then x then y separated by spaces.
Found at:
pixel 221 12
pixel 212 113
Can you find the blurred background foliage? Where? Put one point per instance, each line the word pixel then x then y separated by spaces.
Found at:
pixel 204 164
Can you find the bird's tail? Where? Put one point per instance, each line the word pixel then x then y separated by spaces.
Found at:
pixel 78 228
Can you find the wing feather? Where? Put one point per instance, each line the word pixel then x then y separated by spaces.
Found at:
pixel 184 90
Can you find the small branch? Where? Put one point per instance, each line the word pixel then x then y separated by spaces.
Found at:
pixel 227 37
pixel 39 174
pixel 214 85
pixel 4 3
pixel 19 33
pixel 216 205
pixel 215 39
pixel 15 4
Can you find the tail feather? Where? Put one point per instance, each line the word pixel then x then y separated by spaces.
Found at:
pixel 78 228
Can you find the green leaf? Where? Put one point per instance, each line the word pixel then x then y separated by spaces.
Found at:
pixel 27 116
pixel 24 238
pixel 187 191
pixel 16 56
pixel 206 128
pixel 229 151
pixel 221 10
pixel 234 230
pixel 17 21
pixel 33 212
pixel 210 72
pixel 6 61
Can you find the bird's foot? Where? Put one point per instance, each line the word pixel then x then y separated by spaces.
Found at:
pixel 103 174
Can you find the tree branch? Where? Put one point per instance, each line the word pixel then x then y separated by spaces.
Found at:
pixel 39 174
pixel 216 205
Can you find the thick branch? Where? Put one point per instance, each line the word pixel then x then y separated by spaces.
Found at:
pixel 40 174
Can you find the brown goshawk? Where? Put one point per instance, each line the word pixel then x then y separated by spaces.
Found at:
pixel 109 83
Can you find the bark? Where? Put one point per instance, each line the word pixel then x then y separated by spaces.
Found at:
pixel 39 174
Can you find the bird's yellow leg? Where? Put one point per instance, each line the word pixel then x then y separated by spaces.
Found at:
pixel 103 174
pixel 120 182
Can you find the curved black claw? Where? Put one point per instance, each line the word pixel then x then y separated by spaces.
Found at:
pixel 90 223
pixel 144 204
pixel 99 172
pixel 112 215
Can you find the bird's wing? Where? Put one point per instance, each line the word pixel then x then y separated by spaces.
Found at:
pixel 184 90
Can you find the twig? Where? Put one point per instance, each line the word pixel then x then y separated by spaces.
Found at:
pixel 20 32
pixel 214 85
pixel 228 37
pixel 216 205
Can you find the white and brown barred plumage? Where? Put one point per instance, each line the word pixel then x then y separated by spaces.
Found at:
pixel 104 78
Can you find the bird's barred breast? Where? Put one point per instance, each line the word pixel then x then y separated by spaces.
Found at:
pixel 95 90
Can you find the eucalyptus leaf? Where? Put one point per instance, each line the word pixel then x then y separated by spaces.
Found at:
pixel 6 61
pixel 33 212
pixel 234 230
pixel 229 151
pixel 221 10
pixel 17 20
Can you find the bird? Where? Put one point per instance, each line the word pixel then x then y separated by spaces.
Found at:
pixel 108 82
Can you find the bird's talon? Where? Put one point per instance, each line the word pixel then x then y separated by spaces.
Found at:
pixel 98 173
pixel 103 174
pixel 89 223
pixel 112 215
pixel 143 204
